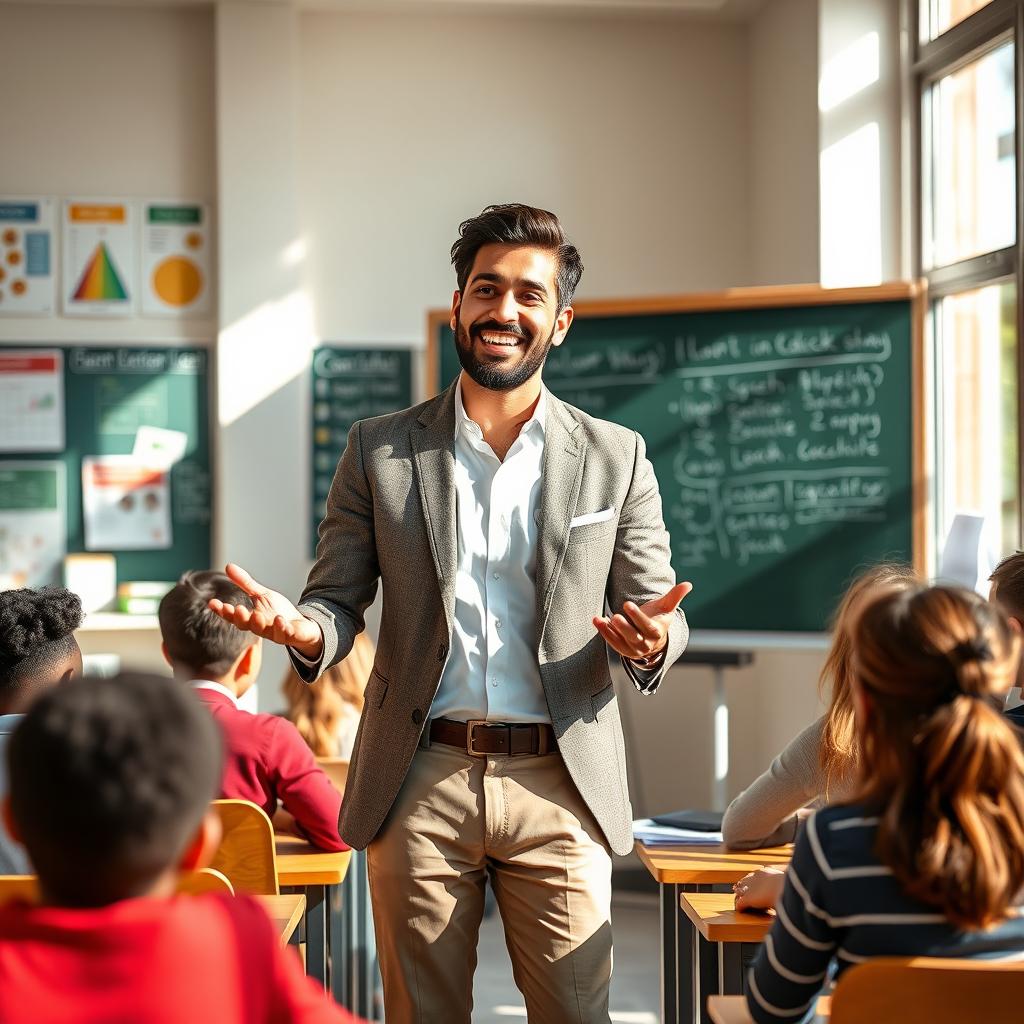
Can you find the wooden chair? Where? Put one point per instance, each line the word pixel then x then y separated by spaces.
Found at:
pixel 929 990
pixel 194 883
pixel 191 883
pixel 246 854
pixel 911 990
pixel 337 771
pixel 18 887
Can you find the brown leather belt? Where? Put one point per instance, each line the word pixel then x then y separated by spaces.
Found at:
pixel 481 739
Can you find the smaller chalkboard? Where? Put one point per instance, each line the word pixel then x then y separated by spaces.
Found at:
pixel 350 384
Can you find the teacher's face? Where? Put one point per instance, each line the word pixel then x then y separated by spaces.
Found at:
pixel 506 320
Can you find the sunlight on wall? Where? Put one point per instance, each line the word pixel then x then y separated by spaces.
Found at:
pixel 851 210
pixel 261 352
pixel 849 72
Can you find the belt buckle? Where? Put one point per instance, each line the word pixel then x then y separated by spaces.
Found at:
pixel 470 726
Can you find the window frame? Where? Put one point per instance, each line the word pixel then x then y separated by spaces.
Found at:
pixel 927 62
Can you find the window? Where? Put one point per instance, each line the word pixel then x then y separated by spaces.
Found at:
pixel 938 16
pixel 967 244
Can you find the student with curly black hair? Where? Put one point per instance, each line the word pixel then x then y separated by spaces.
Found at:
pixel 38 650
pixel 111 782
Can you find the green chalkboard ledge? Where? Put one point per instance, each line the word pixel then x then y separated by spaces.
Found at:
pixel 116 622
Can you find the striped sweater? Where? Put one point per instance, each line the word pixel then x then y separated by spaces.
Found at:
pixel 840 902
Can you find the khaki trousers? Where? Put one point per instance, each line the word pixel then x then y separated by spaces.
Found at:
pixel 521 820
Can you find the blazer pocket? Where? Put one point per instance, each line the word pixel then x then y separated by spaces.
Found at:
pixel 376 690
pixel 592 517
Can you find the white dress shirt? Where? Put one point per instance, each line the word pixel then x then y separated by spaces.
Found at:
pixel 492 670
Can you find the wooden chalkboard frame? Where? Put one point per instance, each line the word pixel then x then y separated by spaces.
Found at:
pixel 768 298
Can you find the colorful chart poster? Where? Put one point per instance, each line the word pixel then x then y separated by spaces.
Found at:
pixel 99 257
pixel 126 504
pixel 31 400
pixel 33 523
pixel 28 284
pixel 176 259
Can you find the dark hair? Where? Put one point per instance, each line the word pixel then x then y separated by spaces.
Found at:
pixel 194 636
pixel 109 780
pixel 516 224
pixel 940 763
pixel 1008 576
pixel 36 636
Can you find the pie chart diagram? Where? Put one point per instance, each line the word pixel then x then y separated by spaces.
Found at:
pixel 177 281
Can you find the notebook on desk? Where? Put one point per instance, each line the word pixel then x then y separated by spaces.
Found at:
pixel 698 821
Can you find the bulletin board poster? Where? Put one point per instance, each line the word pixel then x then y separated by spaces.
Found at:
pixel 177 259
pixel 33 531
pixel 28 282
pixel 31 400
pixel 99 257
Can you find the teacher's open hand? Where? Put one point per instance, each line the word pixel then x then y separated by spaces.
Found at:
pixel 272 617
pixel 640 632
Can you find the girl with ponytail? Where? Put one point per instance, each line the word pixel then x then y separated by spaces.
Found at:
pixel 928 859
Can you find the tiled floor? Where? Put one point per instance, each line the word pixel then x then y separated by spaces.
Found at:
pixel 634 998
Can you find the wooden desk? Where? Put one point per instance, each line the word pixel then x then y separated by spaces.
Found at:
pixel 737 934
pixel 687 964
pixel 733 1010
pixel 300 865
pixel 285 911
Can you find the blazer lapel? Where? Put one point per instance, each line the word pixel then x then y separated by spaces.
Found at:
pixel 433 442
pixel 564 455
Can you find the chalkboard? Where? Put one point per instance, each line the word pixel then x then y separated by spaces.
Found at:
pixel 780 423
pixel 350 384
pixel 109 392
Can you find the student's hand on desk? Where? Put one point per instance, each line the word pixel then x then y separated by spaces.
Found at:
pixel 640 632
pixel 760 890
pixel 273 617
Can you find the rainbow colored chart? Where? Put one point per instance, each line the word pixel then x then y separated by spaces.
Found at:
pixel 100 281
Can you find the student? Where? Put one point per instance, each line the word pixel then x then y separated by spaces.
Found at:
pixel 266 759
pixel 327 711
pixel 111 781
pixel 819 764
pixel 928 860
pixel 1008 592
pixel 38 650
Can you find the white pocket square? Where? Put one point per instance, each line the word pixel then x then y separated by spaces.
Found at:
pixel 592 517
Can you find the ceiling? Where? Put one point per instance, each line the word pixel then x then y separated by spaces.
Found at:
pixel 716 10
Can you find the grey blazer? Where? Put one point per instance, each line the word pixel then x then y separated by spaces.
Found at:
pixel 391 517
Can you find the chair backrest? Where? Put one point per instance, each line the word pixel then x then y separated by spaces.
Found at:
pixel 18 887
pixel 929 990
pixel 336 769
pixel 246 854
pixel 194 883
pixel 191 883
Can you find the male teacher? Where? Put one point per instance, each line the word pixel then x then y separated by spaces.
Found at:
pixel 502 524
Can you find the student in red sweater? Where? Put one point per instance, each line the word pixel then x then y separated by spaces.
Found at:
pixel 110 784
pixel 267 760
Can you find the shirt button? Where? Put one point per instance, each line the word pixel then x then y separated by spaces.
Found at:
pixel 497 575
pixel 494 682
pixel 497 623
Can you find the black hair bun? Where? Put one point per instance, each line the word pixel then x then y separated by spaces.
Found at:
pixel 31 618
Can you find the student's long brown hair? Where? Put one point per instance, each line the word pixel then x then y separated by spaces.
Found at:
pixel 839 748
pixel 316 710
pixel 939 762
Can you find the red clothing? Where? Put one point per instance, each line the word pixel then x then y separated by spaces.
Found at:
pixel 152 961
pixel 266 760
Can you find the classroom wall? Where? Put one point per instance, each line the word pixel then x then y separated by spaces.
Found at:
pixel 634 130
pixel 782 41
pixel 106 101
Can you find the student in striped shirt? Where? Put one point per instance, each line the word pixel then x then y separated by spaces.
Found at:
pixel 929 858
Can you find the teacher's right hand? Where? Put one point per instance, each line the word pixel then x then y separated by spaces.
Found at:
pixel 272 617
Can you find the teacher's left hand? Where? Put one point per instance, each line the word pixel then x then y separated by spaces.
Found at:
pixel 639 632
